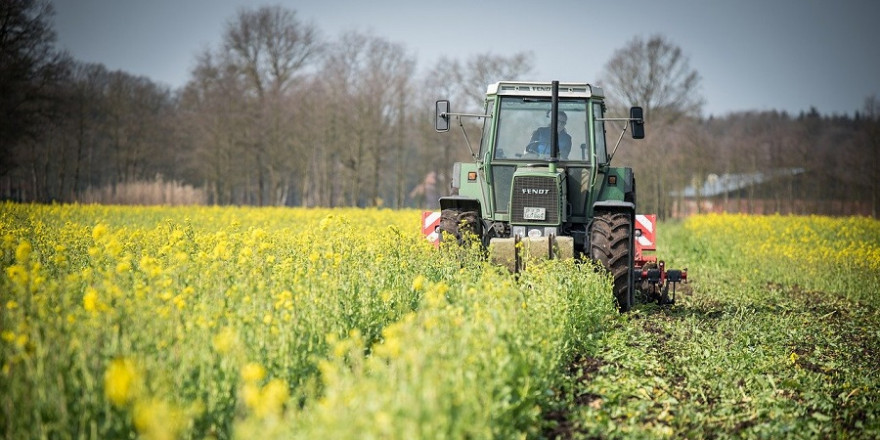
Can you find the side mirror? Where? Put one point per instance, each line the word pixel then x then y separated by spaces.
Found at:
pixel 441 115
pixel 636 116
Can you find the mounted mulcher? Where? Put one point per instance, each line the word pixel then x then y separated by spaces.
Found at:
pixel 536 192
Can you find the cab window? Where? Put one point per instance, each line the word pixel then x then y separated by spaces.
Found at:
pixel 524 124
pixel 487 128
pixel 599 133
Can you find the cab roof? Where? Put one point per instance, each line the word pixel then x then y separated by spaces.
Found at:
pixel 529 88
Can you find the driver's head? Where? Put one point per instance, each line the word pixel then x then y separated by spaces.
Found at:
pixel 561 120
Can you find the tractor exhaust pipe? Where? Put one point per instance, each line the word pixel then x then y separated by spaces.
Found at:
pixel 554 133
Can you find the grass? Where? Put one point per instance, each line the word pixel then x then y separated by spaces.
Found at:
pixel 746 353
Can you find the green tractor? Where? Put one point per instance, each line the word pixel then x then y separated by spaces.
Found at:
pixel 535 192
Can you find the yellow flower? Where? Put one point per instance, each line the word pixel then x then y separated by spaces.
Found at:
pixel 436 295
pixel 225 340
pixel 99 231
pixel 419 283
pixel 390 347
pixel 253 372
pixel 121 381
pixel 18 274
pixel 23 252
pixel 250 395
pixel 386 296
pixel 90 299
pixel 157 420
pixel 383 421
pixel 124 266
pixel 272 398
pixel 114 248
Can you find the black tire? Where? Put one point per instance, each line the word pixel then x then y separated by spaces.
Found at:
pixel 458 224
pixel 470 223
pixel 449 223
pixel 611 245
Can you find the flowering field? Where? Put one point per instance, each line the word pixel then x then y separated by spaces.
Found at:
pixel 208 322
pixel 838 256
pixel 295 323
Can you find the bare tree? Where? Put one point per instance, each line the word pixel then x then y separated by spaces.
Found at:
pixel 269 47
pixel 135 122
pixel 211 109
pixel 483 69
pixel 85 113
pixel 870 139
pixel 387 83
pixel 31 70
pixel 656 75
pixel 346 130
pixel 368 81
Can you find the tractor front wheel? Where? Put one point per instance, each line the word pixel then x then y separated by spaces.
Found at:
pixel 611 245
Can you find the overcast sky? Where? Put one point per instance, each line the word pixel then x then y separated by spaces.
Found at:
pixel 752 54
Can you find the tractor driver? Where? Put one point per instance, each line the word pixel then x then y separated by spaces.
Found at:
pixel 540 142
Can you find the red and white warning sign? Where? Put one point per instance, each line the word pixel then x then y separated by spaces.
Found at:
pixel 431 226
pixel 645 233
pixel 645 223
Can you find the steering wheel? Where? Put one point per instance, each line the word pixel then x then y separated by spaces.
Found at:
pixel 535 146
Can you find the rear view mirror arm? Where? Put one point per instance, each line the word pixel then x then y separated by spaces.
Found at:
pixel 463 131
pixel 623 132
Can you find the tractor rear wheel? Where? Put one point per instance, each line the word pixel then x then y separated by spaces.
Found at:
pixel 459 224
pixel 611 245
pixel 449 223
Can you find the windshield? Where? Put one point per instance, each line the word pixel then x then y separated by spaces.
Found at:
pixel 524 129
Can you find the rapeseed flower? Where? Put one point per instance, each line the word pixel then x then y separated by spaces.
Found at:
pixel 225 341
pixel 90 299
pixel 157 420
pixel 121 381
pixel 253 372
pixel 123 266
pixel 99 231
pixel 272 398
pixel 18 274
pixel 23 252
pixel 419 283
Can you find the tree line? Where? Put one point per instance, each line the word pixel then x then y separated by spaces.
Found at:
pixel 278 114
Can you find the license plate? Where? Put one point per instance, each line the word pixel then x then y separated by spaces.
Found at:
pixel 530 213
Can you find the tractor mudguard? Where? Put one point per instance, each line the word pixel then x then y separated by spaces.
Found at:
pixel 461 203
pixel 614 205
pixel 617 184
